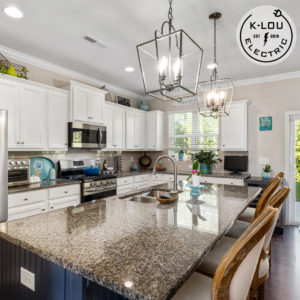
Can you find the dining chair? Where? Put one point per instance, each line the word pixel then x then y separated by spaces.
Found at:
pixel 240 226
pixel 210 264
pixel 234 274
pixel 250 213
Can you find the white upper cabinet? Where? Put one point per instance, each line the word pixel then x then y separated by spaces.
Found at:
pixel 115 127
pixel 10 101
pixel 57 115
pixel 32 116
pixel 81 104
pixel 135 130
pixel 87 103
pixel 155 130
pixel 234 128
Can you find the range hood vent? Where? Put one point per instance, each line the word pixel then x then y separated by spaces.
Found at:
pixel 94 41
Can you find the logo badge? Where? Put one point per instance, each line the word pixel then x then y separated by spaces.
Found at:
pixel 266 35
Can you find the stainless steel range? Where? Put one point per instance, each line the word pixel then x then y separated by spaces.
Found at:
pixel 93 187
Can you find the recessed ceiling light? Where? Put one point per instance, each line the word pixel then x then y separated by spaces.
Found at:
pixel 13 12
pixel 129 69
pixel 212 66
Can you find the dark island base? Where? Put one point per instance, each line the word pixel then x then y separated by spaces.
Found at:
pixel 52 282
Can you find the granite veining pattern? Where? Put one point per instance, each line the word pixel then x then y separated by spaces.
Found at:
pixel 45 184
pixel 214 174
pixel 139 250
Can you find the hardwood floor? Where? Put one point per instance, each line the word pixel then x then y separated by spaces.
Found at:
pixel 284 280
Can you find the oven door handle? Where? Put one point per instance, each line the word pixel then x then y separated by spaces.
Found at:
pixel 101 189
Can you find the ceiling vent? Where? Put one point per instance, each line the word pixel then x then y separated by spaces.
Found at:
pixel 94 41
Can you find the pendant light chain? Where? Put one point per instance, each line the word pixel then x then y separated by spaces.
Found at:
pixel 170 14
pixel 215 41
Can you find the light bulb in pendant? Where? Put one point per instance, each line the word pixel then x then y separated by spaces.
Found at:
pixel 222 95
pixel 217 97
pixel 176 69
pixel 163 66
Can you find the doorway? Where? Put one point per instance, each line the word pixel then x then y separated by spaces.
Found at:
pixel 292 163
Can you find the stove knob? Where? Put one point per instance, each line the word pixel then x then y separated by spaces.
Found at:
pixel 100 182
pixel 104 182
pixel 24 162
pixel 18 162
pixel 12 162
pixel 97 183
pixel 91 184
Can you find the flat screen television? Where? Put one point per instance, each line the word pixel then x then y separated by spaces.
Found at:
pixel 236 164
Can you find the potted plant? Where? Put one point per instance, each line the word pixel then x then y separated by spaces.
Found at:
pixel 196 176
pixel 181 154
pixel 206 160
pixel 266 172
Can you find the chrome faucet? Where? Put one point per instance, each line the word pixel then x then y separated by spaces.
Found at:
pixel 175 169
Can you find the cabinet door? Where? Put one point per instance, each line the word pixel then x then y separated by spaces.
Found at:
pixel 119 129
pixel 97 108
pixel 57 110
pixel 140 131
pixel 234 129
pixel 109 114
pixel 32 104
pixel 151 132
pixel 81 104
pixel 130 130
pixel 9 100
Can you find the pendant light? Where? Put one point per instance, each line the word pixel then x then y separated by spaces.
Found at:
pixel 170 63
pixel 217 93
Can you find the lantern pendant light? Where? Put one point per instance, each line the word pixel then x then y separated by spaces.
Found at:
pixel 170 63
pixel 217 93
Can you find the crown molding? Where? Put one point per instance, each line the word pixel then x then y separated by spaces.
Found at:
pixel 60 70
pixel 75 75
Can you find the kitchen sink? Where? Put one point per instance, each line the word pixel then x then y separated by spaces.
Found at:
pixel 142 199
pixel 156 193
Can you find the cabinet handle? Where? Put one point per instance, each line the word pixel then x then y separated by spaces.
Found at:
pixel 66 192
pixel 25 199
pixel 51 207
pixel 43 209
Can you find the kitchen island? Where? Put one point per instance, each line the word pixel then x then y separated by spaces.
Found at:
pixel 118 247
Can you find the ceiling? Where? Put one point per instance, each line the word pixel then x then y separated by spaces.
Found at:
pixel 51 31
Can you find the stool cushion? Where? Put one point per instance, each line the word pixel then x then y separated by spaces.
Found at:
pixel 237 229
pixel 196 287
pixel 248 215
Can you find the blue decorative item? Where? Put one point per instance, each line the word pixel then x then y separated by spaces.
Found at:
pixel 143 105
pixel 265 175
pixel 195 191
pixel 133 167
pixel 265 123
pixel 180 155
pixel 205 168
pixel 52 174
pixel 40 166
pixel 91 171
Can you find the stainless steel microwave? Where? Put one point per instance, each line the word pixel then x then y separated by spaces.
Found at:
pixel 86 136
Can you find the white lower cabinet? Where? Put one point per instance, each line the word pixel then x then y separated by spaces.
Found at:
pixel 226 181
pixel 132 183
pixel 125 189
pixel 22 205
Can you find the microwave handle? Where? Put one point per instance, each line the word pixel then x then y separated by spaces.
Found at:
pixel 99 136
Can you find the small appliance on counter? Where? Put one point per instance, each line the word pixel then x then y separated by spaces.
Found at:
pixel 18 172
pixel 118 164
pixel 94 187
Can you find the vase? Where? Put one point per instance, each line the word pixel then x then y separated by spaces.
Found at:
pixel 133 167
pixel 205 168
pixel 265 175
pixel 180 155
pixel 11 71
pixel 196 180
pixel 143 105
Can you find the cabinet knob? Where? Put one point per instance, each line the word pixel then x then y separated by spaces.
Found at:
pixel 43 209
pixel 154 146
pixel 66 144
pixel 223 145
pixel 19 143
pixel 66 192
pixel 51 207
pixel 125 181
pixel 92 117
pixel 25 199
pixel 22 142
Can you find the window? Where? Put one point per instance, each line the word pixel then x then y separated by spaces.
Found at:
pixel 191 132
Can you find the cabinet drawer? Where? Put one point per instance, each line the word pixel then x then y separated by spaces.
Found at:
pixel 26 211
pixel 168 177
pixel 26 198
pixel 125 189
pixel 62 203
pixel 124 181
pixel 183 177
pixel 64 191
pixel 157 177
pixel 156 182
pixel 232 181
pixel 141 178
pixel 142 185
pixel 209 180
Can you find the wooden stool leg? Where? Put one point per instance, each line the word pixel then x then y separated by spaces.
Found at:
pixel 261 290
pixel 270 256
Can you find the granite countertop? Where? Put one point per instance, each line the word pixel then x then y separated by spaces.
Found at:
pixel 139 250
pixel 214 174
pixel 45 184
